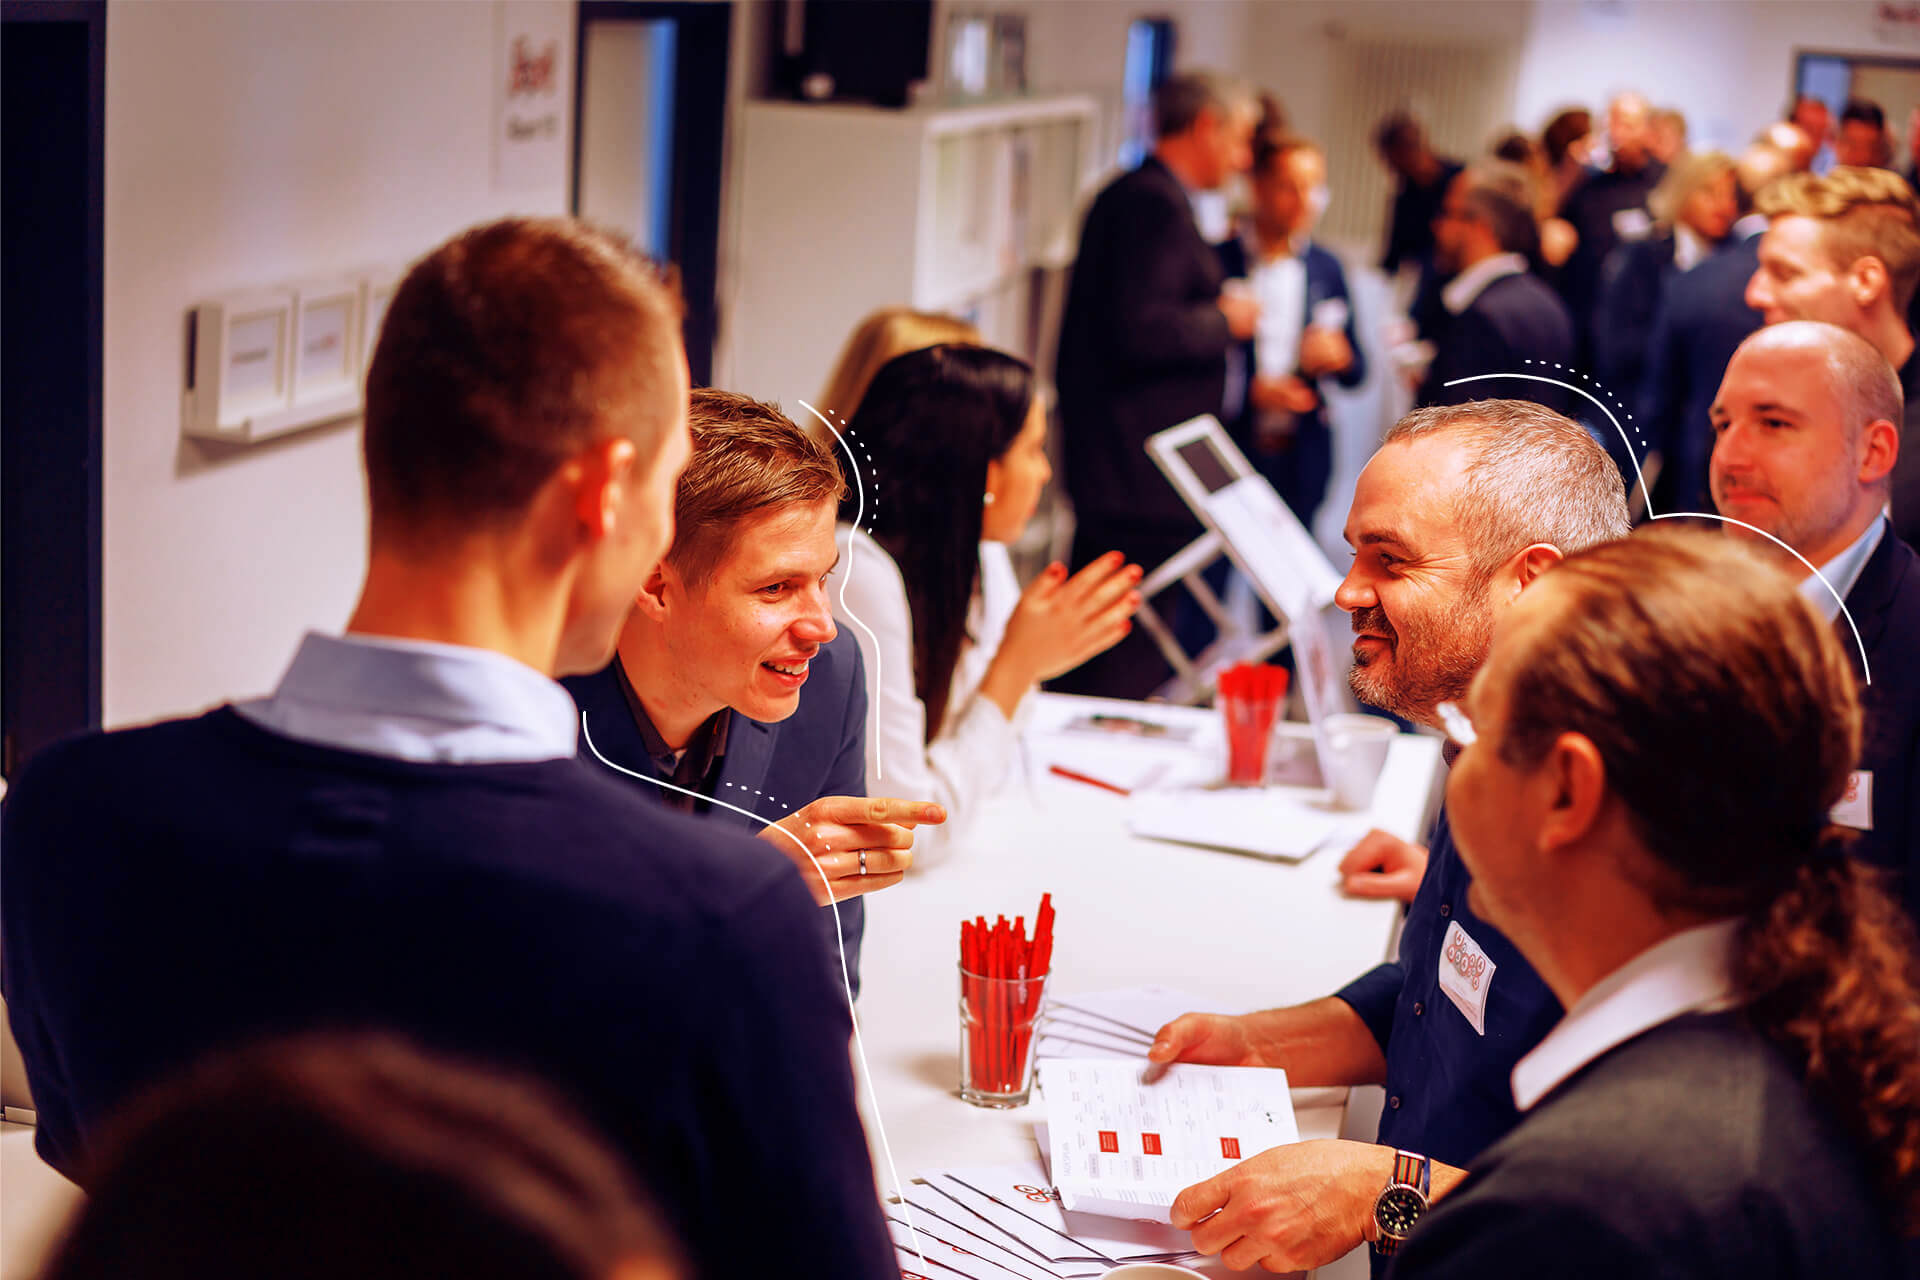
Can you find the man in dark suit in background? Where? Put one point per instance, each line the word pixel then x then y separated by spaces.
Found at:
pixel 1805 440
pixel 731 683
pixel 1144 344
pixel 1700 319
pixel 1275 411
pixel 1607 207
pixel 1424 179
pixel 1500 316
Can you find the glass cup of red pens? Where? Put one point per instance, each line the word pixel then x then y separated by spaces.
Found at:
pixel 1250 699
pixel 1003 983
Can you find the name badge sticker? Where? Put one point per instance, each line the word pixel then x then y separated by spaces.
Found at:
pixel 1466 974
pixel 1855 808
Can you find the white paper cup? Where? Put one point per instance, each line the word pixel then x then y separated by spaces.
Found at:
pixel 1150 1271
pixel 1359 745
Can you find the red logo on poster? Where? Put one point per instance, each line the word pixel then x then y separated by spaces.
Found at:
pixel 1231 1148
pixel 1039 1195
pixel 1150 1144
pixel 1110 1141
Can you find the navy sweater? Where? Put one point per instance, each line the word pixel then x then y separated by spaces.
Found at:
pixel 201 882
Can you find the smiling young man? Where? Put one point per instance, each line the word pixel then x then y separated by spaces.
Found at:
pixel 1804 445
pixel 731 689
pixel 1460 510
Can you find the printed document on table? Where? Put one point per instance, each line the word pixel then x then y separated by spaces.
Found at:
pixel 1125 1139
pixel 1017 1200
pixel 970 1258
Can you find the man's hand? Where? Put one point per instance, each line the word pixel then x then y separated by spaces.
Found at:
pixel 1241 310
pixel 837 830
pixel 1324 353
pixel 1212 1038
pixel 1383 866
pixel 1290 1208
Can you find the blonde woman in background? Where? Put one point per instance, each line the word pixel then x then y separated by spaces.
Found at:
pixel 884 334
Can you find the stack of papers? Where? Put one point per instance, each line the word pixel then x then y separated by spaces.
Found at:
pixel 1125 1139
pixel 1252 820
pixel 1113 1024
pixel 999 1221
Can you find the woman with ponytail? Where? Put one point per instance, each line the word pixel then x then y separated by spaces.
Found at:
pixel 952 447
pixel 1651 753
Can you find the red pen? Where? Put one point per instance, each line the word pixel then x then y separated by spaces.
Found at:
pixel 1071 776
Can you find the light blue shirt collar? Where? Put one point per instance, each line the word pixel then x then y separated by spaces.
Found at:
pixel 417 700
pixel 1843 572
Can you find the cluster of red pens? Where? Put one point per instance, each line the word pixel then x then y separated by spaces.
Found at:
pixel 1250 698
pixel 1002 975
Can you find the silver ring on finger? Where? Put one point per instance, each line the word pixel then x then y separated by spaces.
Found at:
pixel 863 862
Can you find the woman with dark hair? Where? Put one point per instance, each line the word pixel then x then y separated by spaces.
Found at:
pixel 324 1156
pixel 952 446
pixel 1652 751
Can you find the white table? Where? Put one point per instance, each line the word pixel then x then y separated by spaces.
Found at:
pixel 1246 932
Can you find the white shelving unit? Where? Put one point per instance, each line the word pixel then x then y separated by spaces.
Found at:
pixel 969 210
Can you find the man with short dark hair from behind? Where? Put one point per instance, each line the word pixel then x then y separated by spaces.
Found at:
pixel 1424 177
pixel 1804 444
pixel 1143 347
pixel 401 835
pixel 731 682
pixel 1609 206
pixel 1844 249
pixel 327 1156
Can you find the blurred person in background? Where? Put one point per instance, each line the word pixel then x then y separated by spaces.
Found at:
pixel 327 1156
pixel 1424 177
pixel 1694 210
pixel 1843 249
pixel 1793 141
pixel 1652 748
pixel 1669 136
pixel 1810 114
pixel 1144 343
pixel 1275 410
pixel 1701 317
pixel 886 333
pixel 1862 140
pixel 1499 314
pixel 955 441
pixel 1608 206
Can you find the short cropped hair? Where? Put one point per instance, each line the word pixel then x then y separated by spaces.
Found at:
pixel 1865 213
pixel 504 352
pixel 1864 111
pixel 1396 131
pixel 1535 476
pixel 1271 149
pixel 359 1154
pixel 1179 101
pixel 1501 194
pixel 748 457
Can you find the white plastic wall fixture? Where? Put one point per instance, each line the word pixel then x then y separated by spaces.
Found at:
pixel 326 346
pixel 239 363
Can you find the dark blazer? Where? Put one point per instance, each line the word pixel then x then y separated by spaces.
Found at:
pixel 1886 606
pixel 1143 347
pixel 1632 278
pixel 1691 1151
pixel 1591 208
pixel 1698 323
pixel 1516 319
pixel 1299 473
pixel 770 770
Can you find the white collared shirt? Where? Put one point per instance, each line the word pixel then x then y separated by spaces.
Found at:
pixel 1842 572
pixel 418 700
pixel 1280 286
pixel 1691 248
pixel 1688 972
pixel 1464 288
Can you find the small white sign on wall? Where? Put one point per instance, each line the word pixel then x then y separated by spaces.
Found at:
pixel 532 71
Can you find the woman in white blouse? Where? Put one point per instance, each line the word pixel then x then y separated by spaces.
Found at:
pixel 951 445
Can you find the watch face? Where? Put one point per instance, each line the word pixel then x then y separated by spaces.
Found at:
pixel 1398 1209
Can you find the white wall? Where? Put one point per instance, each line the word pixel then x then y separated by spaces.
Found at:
pixel 246 144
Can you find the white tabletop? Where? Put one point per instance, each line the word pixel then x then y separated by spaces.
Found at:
pixel 1242 931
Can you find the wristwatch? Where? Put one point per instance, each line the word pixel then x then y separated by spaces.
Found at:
pixel 1401 1203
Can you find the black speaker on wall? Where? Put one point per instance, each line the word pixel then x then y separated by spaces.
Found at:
pixel 854 50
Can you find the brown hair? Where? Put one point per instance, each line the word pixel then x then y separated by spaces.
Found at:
pixel 1563 131
pixel 322 1156
pixel 1724 711
pixel 504 352
pixel 1271 147
pixel 1536 476
pixel 889 332
pixel 1865 213
pixel 748 457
